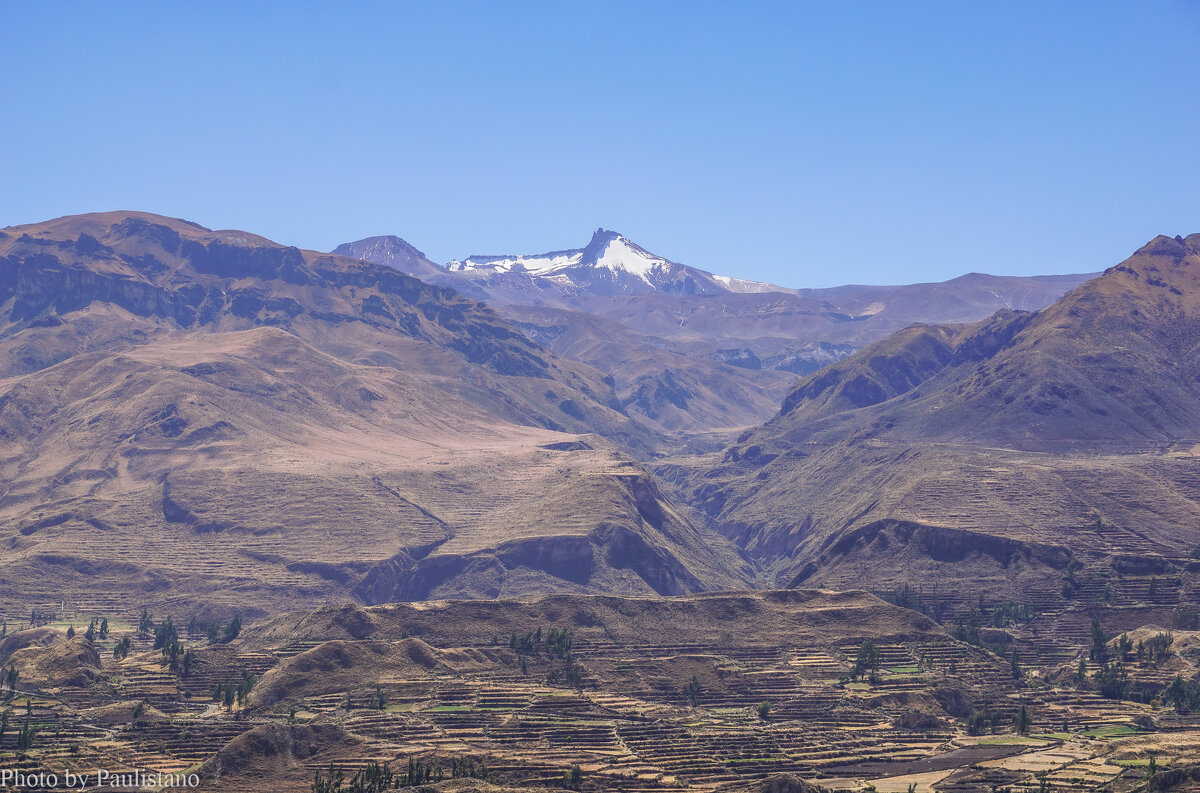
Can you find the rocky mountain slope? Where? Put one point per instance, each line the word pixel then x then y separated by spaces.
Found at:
pixel 212 419
pixel 1030 455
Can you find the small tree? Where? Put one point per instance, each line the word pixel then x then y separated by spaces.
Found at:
pixel 232 629
pixel 104 629
pixel 1112 681
pixel 27 734
pixel 867 658
pixel 70 631
pixel 1099 651
pixel 573 778
pixel 1022 720
pixel 692 691
pixel 764 708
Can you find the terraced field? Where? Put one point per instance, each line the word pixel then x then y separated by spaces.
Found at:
pixel 772 690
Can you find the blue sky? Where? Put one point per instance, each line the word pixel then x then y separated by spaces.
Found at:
pixel 808 144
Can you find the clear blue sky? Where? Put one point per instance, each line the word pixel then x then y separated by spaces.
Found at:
pixel 808 144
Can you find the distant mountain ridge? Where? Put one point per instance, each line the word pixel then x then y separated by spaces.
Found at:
pixel 613 265
pixel 744 323
pixel 698 350
pixel 393 252
pixel 610 264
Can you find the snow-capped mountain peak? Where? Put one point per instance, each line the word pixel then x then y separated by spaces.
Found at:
pixel 609 264
pixel 612 251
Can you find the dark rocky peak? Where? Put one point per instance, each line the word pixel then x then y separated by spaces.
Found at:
pixel 600 240
pixel 384 246
pixel 1162 245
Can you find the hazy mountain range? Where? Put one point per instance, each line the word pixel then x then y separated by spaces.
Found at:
pixel 295 425
pixel 663 329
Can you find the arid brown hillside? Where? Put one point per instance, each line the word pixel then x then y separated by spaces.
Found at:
pixel 662 388
pixel 804 330
pixel 1029 457
pixel 1113 363
pixel 810 617
pixel 207 420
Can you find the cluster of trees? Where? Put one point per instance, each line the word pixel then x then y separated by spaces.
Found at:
pixel 557 642
pixel 175 655
pixel 228 693
pixel 26 735
pixel 1184 695
pixel 866 661
pixel 979 722
pixel 1014 665
pixel 573 778
pixel 10 681
pixel 1005 614
pixel 571 674
pixel 906 597
pixel 93 632
pixel 692 691
pixel 378 698
pixel 968 631
pixel 377 701
pixel 215 631
pixel 122 648
pixel 375 777
pixel 466 768
pixel 1157 648
pixel 1111 680
pixel 1153 650
pixel 1185 617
